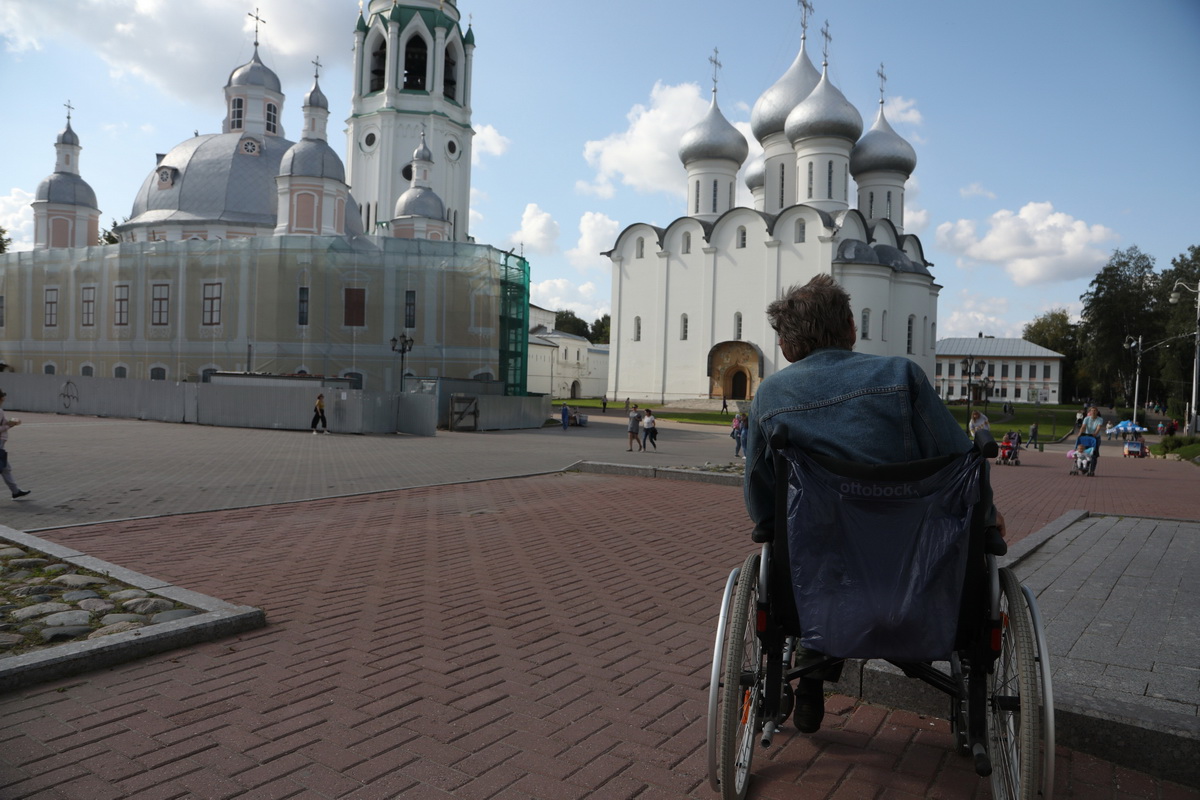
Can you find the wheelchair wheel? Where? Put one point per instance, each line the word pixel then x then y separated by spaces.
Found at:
pixel 1014 713
pixel 741 687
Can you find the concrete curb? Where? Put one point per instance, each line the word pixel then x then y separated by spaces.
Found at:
pixel 218 619
pixel 672 473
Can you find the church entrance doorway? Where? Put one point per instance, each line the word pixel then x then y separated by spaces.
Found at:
pixel 575 390
pixel 735 369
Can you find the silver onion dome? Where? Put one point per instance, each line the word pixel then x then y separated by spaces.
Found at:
pixel 825 112
pixel 420 201
pixel 312 158
pixel 756 173
pixel 422 153
pixel 713 137
pixel 315 97
pixel 66 188
pixel 771 110
pixel 255 73
pixel 68 136
pixel 881 148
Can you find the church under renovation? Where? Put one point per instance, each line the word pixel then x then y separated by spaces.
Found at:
pixel 689 300
pixel 247 251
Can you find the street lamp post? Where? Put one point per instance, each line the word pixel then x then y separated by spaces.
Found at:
pixel 972 368
pixel 1175 298
pixel 1131 343
pixel 402 345
pixel 987 384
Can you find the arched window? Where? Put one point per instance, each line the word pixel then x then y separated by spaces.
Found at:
pixel 641 248
pixel 237 113
pixel 741 236
pixel 697 203
pixel 687 242
pixel 48 369
pixel 450 81
pixel 829 180
pixel 911 322
pixel 737 325
pixel 782 179
pixel 731 195
pixel 416 59
pixel 801 231
pixel 933 334
pixel 883 327
pixel 637 329
pixel 378 66
pixel 810 180
pixel 889 205
pixel 846 183
pixel 356 379
pixel 122 372
pixel 864 330
pixel 158 373
pixel 683 327
pixel 714 198
pixel 87 371
pixel 870 205
pixel 272 118
pixel 924 334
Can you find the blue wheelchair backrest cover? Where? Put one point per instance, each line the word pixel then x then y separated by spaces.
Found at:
pixel 878 565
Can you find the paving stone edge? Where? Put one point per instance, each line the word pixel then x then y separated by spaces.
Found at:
pixel 216 620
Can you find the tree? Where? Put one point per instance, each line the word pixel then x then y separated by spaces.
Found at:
pixel 600 330
pixel 567 322
pixel 1124 301
pixel 1055 331
pixel 1175 363
pixel 107 236
pixel 5 240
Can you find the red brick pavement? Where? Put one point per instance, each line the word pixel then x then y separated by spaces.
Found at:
pixel 544 637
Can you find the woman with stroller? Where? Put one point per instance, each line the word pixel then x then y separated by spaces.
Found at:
pixel 1092 425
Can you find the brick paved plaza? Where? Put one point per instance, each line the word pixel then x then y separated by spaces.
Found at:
pixel 546 636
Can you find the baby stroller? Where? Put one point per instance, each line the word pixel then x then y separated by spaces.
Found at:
pixel 1081 458
pixel 1010 449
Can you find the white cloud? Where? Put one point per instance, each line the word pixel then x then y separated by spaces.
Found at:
pixel 902 110
pixel 974 314
pixel 559 294
pixel 976 190
pixel 16 217
pixel 1034 245
pixel 538 232
pixel 645 155
pixel 488 141
pixel 916 219
pixel 597 233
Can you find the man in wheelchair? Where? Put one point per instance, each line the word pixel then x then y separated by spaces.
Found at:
pixel 856 407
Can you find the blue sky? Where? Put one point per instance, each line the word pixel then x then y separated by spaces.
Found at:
pixel 1047 134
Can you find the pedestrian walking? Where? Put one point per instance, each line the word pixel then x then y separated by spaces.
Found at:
pixel 735 432
pixel 724 405
pixel 6 424
pixel 319 415
pixel 604 404
pixel 1033 430
pixel 566 416
pixel 649 429
pixel 635 419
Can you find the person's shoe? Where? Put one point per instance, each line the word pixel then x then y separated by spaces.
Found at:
pixel 327 433
pixel 314 431
pixel 17 495
pixel 810 704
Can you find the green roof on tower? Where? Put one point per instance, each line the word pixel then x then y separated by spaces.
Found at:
pixel 470 37
pixel 362 23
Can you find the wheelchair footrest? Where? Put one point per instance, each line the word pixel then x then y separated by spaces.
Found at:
pixel 983 764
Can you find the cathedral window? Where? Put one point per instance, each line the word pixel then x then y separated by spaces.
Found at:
pixel 889 205
pixel 237 113
pixel 870 205
pixel 731 196
pixel 354 308
pixel 737 325
pixel 846 183
pixel 302 306
pixel 864 330
pixel 378 66
pixel 272 118
pixel 450 81
pixel 121 304
pixel 88 307
pixel 829 180
pixel 912 321
pixel 51 308
pixel 160 304
pixel 158 373
pixel 741 237
pixel 683 327
pixel 801 231
pixel 883 327
pixel 210 310
pixel 410 309
pixel 933 334
pixel 697 203
pixel 637 329
pixel 924 334
pixel 782 181
pixel 687 242
pixel 810 180
pixel 714 198
pixel 640 250
pixel 416 60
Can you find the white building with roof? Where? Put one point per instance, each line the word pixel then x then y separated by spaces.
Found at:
pixel 247 251
pixel 1001 371
pixel 689 299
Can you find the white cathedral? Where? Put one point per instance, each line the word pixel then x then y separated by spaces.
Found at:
pixel 689 300
pixel 247 251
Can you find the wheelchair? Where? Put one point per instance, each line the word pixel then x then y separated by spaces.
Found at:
pixel 892 562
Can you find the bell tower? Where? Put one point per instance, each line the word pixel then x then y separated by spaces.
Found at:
pixel 412 73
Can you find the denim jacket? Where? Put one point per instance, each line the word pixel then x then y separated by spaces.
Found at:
pixel 852 406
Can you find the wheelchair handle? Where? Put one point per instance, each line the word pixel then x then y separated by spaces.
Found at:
pixel 985 443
